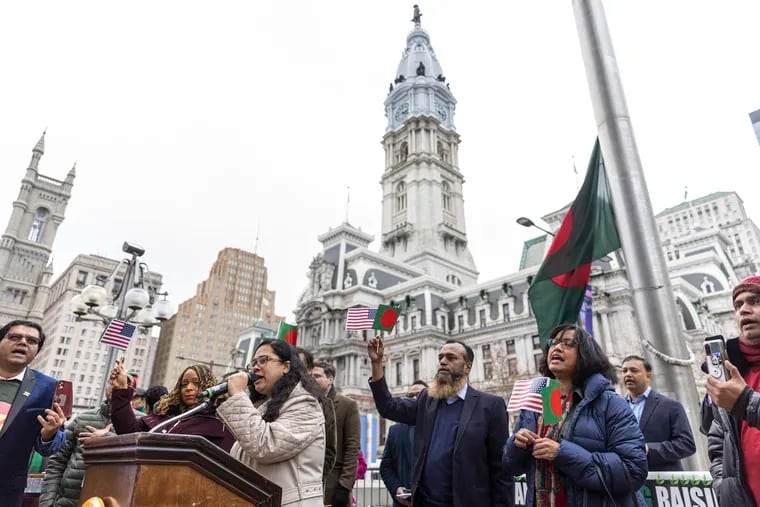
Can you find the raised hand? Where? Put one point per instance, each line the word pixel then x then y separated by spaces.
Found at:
pixel 119 377
pixel 375 349
pixel 52 421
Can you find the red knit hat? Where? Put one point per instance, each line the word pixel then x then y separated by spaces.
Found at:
pixel 749 284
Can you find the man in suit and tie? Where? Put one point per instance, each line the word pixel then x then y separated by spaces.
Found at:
pixel 459 433
pixel 396 466
pixel 667 434
pixel 26 419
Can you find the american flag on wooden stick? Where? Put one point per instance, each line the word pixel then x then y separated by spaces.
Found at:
pixel 526 395
pixel 118 334
pixel 360 318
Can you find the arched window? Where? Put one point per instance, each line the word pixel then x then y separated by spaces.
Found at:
pixel 446 195
pixel 38 225
pixel 403 153
pixel 401 196
pixel 442 153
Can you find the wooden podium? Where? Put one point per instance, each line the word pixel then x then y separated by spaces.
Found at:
pixel 152 469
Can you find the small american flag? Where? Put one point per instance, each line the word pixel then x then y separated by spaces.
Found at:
pixel 360 318
pixel 118 334
pixel 526 395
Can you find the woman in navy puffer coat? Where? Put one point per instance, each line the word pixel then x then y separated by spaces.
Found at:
pixel 595 456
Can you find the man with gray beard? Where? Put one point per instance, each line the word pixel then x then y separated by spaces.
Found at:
pixel 459 433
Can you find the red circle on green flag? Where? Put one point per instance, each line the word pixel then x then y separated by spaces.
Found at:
pixel 291 336
pixel 388 318
pixel 556 403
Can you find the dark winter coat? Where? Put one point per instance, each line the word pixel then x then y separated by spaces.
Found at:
pixel 726 465
pixel 65 471
pixel 204 425
pixel 601 447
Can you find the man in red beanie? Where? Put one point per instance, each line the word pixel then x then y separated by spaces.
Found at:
pixel 734 435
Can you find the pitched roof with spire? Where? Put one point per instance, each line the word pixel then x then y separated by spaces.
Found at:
pixel 40 146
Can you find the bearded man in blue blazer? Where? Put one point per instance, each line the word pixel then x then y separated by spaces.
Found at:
pixel 26 419
pixel 459 433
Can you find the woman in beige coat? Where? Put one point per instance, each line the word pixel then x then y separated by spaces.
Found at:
pixel 280 429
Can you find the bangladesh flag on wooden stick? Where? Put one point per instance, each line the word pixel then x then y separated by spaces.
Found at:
pixel 288 333
pixel 587 233
pixel 385 317
pixel 552 402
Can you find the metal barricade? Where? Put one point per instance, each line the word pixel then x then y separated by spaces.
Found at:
pixel 371 491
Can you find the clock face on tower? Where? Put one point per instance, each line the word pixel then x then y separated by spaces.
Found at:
pixel 440 111
pixel 402 112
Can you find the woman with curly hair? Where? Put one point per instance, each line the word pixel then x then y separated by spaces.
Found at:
pixel 193 380
pixel 595 454
pixel 280 428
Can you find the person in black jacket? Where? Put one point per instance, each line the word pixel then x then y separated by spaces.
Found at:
pixel 396 466
pixel 667 434
pixel 733 440
pixel 459 433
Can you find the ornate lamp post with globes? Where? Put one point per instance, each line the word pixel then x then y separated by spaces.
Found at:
pixel 131 302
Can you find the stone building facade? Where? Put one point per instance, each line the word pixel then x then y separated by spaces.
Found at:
pixel 424 265
pixel 26 244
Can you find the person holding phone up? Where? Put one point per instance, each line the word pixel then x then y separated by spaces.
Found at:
pixel 733 440
pixel 26 419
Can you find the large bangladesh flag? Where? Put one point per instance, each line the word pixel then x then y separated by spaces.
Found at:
pixel 587 233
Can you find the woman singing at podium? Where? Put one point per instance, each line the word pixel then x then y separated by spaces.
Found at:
pixel 280 429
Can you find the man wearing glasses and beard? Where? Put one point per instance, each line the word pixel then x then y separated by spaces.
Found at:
pixel 396 466
pixel 459 433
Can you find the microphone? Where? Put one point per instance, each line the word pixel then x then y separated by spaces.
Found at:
pixel 220 389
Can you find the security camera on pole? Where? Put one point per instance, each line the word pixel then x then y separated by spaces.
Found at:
pixel 132 306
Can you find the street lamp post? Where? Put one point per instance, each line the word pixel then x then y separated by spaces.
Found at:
pixel 527 222
pixel 131 303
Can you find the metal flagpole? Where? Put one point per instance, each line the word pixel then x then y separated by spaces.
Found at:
pixel 651 290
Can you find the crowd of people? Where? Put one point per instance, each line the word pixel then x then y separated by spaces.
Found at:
pixel 451 446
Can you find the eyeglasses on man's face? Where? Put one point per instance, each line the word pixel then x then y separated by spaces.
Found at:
pixel 262 360
pixel 32 341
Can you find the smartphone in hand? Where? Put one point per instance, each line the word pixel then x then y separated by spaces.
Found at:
pixel 715 356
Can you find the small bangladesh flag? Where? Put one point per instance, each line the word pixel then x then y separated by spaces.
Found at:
pixel 385 317
pixel 552 400
pixel 288 333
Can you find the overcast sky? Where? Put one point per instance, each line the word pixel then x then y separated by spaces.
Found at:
pixel 192 122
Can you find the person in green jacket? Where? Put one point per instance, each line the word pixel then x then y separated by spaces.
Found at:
pixel 65 470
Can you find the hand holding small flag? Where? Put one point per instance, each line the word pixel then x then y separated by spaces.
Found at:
pixel 119 377
pixel 375 349
pixel 524 438
pixel 545 448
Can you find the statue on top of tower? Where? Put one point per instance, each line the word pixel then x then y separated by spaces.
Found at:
pixel 417 17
